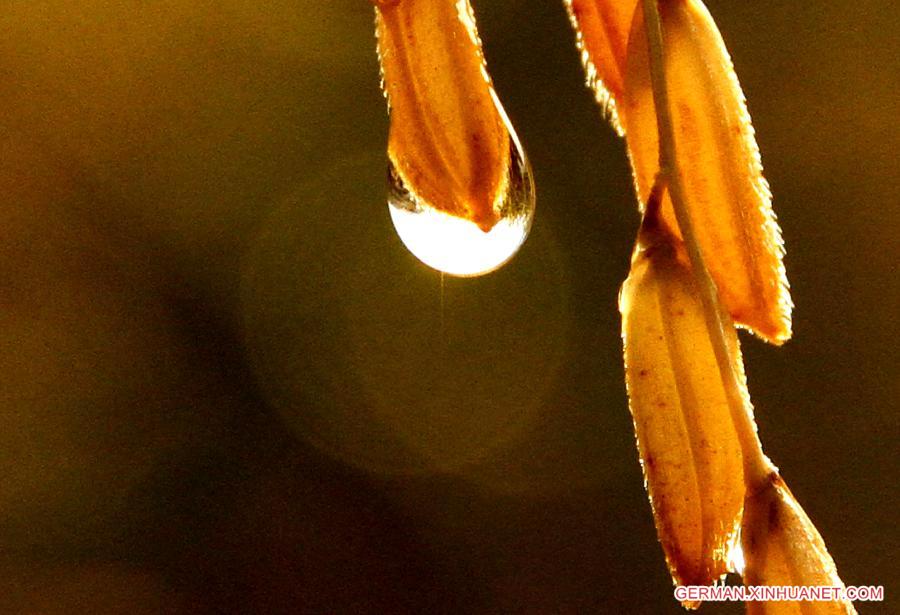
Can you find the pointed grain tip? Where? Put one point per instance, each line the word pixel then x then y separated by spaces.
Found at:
pixel 449 138
pixel 727 198
pixel 783 548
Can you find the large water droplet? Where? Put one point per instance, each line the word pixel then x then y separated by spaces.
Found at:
pixel 457 246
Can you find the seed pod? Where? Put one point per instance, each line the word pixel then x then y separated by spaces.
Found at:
pixel 688 446
pixel 718 160
pixel 448 139
pixel 782 547
pixel 601 31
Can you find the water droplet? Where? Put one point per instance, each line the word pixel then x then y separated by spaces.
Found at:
pixel 457 246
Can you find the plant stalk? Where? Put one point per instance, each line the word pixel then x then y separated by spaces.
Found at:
pixel 757 467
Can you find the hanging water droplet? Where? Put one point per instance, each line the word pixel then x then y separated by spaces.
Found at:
pixel 461 193
pixel 458 246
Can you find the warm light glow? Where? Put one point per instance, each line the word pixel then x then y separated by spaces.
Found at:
pixel 736 558
pixel 456 246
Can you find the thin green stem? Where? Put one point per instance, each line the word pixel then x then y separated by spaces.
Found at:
pixel 757 466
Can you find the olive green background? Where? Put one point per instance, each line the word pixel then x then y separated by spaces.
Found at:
pixel 226 387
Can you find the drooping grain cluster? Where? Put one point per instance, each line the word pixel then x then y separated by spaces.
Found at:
pixel 696 443
pixel 708 257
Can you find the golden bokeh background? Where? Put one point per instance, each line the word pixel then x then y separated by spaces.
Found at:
pixel 225 386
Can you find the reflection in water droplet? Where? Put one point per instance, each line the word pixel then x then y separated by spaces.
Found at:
pixel 457 246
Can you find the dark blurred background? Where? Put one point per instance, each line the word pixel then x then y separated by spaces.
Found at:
pixel 226 387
